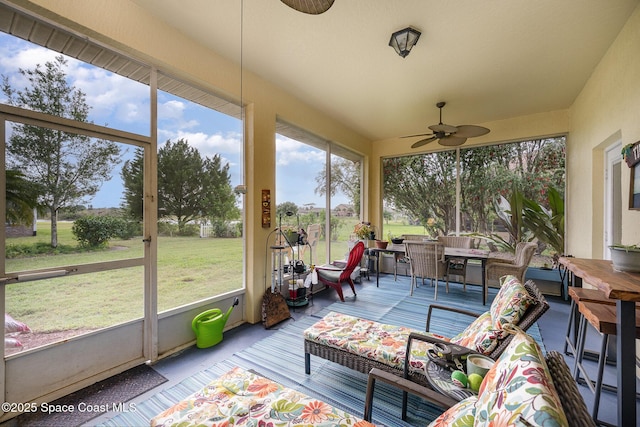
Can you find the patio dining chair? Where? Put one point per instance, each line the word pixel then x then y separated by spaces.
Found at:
pixel 426 259
pixel 457 266
pixel 496 268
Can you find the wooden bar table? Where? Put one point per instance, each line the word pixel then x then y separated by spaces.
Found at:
pixel 625 289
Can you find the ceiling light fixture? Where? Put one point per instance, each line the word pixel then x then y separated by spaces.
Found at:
pixel 404 40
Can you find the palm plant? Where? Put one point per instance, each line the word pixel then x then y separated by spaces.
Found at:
pixel 510 214
pixel 547 225
pixel 21 197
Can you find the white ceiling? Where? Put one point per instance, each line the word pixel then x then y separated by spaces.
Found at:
pixel 489 60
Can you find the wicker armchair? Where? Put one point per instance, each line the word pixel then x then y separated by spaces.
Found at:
pixel 496 268
pixel 457 266
pixel 426 259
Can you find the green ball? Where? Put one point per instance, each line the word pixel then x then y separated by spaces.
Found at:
pixel 474 382
pixel 459 378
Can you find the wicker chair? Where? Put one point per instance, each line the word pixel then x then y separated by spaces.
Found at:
pixel 416 237
pixel 572 402
pixel 426 259
pixel 496 268
pixel 457 266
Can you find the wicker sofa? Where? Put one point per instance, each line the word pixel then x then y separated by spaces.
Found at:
pixel 522 388
pixel 356 343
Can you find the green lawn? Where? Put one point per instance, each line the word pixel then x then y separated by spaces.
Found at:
pixel 189 269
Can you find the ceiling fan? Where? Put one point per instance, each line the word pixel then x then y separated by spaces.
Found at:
pixel 312 7
pixel 447 135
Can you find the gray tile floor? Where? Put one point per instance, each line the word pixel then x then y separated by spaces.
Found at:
pixel 552 326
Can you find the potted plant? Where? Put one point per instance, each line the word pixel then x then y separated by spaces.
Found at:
pixel 364 231
pixel 627 154
pixel 626 258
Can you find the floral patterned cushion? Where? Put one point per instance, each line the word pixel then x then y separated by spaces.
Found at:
pixel 373 340
pixel 511 302
pixel 519 387
pixel 480 335
pixel 461 414
pixel 243 398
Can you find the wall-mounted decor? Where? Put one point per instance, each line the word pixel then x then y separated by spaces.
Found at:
pixel 631 154
pixel 266 208
pixel 634 188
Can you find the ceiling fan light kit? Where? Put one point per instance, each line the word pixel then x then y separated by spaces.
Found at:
pixel 404 40
pixel 447 135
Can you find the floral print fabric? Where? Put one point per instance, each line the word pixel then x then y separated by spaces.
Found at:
pixel 519 390
pixel 377 341
pixel 241 398
pixel 459 415
pixel 480 335
pixel 511 302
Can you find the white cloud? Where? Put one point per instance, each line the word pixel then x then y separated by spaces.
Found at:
pixel 112 98
pixel 290 151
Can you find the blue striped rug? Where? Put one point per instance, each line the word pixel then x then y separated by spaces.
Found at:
pixel 280 356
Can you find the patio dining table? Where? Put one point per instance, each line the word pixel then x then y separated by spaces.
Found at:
pixel 397 250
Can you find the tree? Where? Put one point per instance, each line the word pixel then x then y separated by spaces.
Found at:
pixel 180 182
pixel 191 187
pixel 284 207
pixel 66 167
pixel 21 198
pixel 133 181
pixel 345 177
pixel 220 199
pixel 423 186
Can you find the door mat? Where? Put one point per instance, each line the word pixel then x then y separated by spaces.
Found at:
pixel 94 400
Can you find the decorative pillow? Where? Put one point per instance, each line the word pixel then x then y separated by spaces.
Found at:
pixel 480 335
pixel 461 414
pixel 518 389
pixel 511 302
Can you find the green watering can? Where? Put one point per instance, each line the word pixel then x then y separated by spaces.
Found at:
pixel 208 326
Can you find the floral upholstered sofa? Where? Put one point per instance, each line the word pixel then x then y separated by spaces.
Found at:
pixel 523 388
pixel 243 398
pixel 363 344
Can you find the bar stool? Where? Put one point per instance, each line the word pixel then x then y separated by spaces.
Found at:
pixel 577 295
pixel 603 318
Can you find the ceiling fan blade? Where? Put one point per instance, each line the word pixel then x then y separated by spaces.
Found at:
pixel 443 128
pixel 419 134
pixel 312 7
pixel 423 142
pixel 452 141
pixel 470 131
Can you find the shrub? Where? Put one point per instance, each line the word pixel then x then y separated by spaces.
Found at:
pixel 95 231
pixel 221 228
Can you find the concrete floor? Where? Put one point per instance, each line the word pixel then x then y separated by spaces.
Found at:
pixel 191 360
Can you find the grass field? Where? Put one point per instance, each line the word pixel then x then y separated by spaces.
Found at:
pixel 189 269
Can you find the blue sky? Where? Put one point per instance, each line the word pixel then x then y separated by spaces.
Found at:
pixel 123 104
